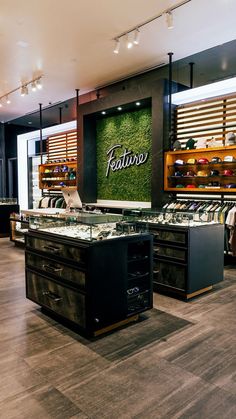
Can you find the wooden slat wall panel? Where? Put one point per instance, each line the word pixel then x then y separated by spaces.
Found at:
pixel 62 146
pixel 211 118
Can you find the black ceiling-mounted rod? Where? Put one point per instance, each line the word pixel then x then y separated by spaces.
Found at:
pixel 191 75
pixel 77 127
pixel 41 132
pixel 170 93
pixel 60 115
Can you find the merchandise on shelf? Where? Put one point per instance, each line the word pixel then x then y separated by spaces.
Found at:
pixel 206 169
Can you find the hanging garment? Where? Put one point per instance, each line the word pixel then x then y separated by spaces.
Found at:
pixel 231 224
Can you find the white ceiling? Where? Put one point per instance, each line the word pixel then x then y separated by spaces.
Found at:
pixel 71 42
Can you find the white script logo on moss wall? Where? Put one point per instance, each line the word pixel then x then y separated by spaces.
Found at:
pixel 126 159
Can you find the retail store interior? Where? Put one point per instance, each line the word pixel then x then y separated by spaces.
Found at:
pixel 118 209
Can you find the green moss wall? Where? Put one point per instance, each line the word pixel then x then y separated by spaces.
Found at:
pixel 133 131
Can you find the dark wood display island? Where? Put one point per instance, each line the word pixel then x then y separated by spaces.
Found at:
pixel 95 284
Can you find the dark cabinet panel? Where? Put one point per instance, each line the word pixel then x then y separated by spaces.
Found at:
pixel 57 269
pixel 56 248
pixel 93 284
pixel 170 252
pixel 169 274
pixel 63 301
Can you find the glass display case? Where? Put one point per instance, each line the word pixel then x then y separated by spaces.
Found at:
pixel 187 250
pixel 94 270
pixel 87 226
pixel 184 219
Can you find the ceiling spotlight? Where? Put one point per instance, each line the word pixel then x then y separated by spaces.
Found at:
pixel 39 84
pixel 136 36
pixel 119 108
pixel 169 20
pixel 129 43
pixel 117 46
pixel 33 86
pixel 103 112
pixel 8 100
pixel 137 103
pixel 24 90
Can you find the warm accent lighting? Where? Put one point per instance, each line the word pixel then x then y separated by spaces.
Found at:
pixel 136 36
pixel 218 88
pixel 24 91
pixel 117 46
pixel 169 20
pixel 135 31
pixel 129 43
pixel 35 83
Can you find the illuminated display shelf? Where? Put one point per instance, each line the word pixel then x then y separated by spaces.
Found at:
pixel 50 179
pixel 171 181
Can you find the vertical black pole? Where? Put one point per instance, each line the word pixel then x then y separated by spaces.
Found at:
pixel 41 132
pixel 60 114
pixel 191 75
pixel 77 131
pixel 170 93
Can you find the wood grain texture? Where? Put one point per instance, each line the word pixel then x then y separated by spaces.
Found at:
pixel 177 361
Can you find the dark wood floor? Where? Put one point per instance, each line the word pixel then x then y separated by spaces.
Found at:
pixel 178 361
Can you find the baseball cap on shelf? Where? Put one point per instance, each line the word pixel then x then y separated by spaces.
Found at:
pixel 203 160
pixel 229 158
pixel 191 161
pixel 228 172
pixel 230 185
pixel 179 185
pixel 179 162
pixel 177 145
pixel 202 173
pixel 178 174
pixel 201 186
pixel 190 173
pixel 214 173
pixel 230 138
pixel 190 144
pixel 201 143
pixel 216 159
pixel 190 186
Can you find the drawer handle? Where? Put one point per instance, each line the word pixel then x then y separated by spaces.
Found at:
pixel 156 272
pixel 51 268
pixel 51 248
pixel 52 296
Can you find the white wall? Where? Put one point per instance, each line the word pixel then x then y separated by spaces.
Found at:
pixel 22 157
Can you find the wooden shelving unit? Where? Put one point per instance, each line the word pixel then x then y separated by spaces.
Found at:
pixel 54 176
pixel 170 168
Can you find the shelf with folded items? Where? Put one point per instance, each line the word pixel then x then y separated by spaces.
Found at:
pixel 55 176
pixel 218 159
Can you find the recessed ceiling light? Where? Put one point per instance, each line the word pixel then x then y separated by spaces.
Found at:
pixel 119 108
pixel 103 112
pixel 137 103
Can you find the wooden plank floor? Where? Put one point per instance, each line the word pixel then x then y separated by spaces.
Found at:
pixel 178 361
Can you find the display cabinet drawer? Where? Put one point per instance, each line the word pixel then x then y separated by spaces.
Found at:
pixel 59 270
pixel 61 300
pixel 170 252
pixel 169 274
pixel 56 249
pixel 179 237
